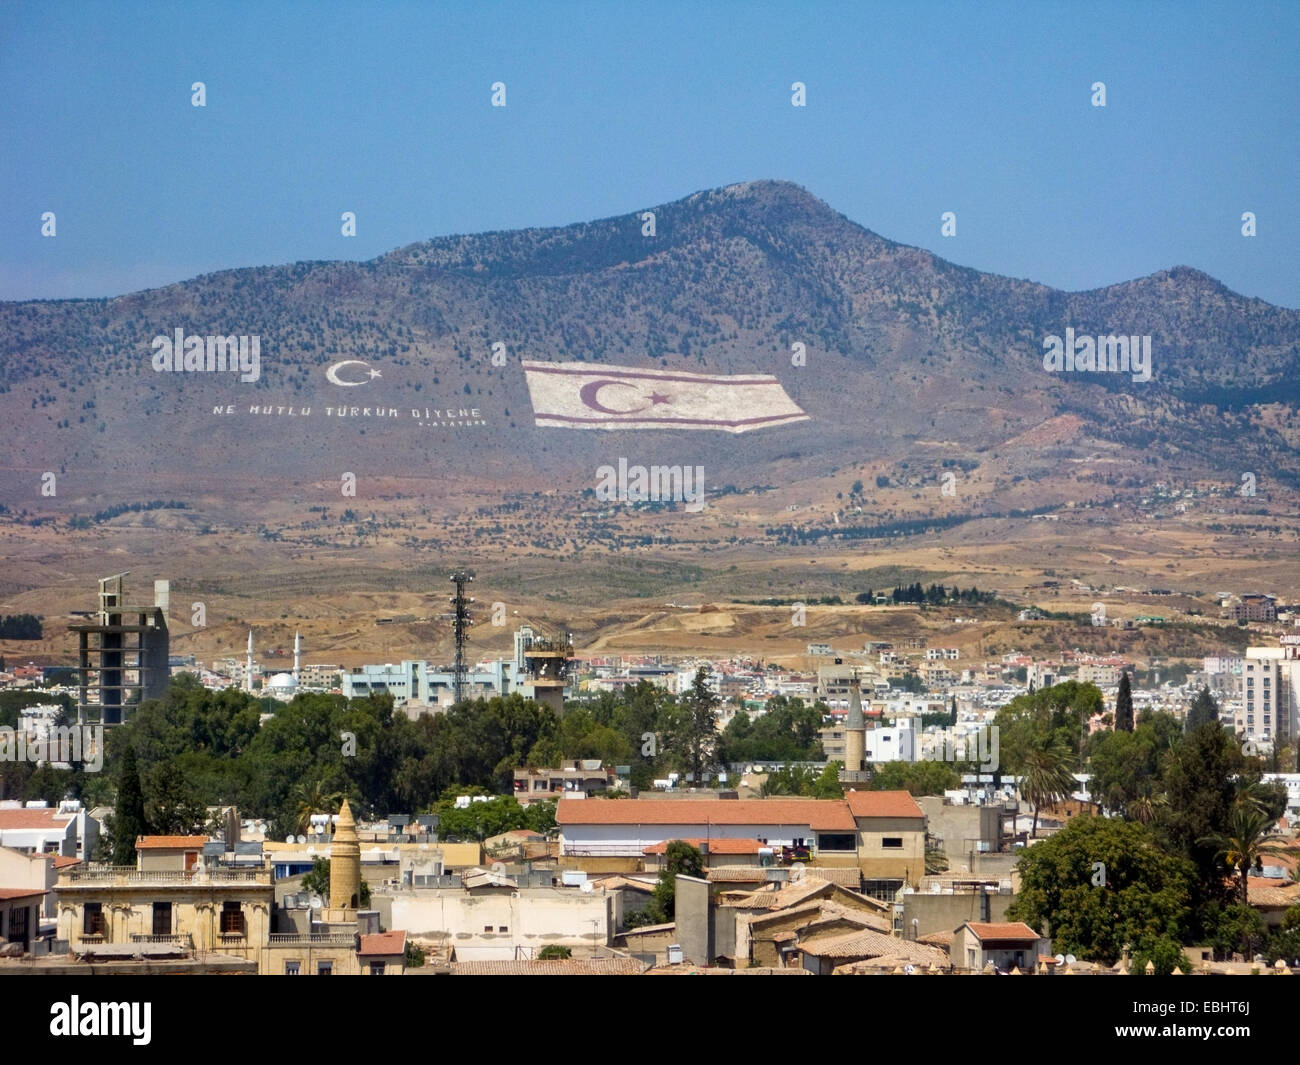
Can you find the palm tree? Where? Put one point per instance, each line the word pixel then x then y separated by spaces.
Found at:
pixel 1246 840
pixel 314 799
pixel 1046 778
pixel 1146 806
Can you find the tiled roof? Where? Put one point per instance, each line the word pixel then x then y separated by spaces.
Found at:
pixel 14 819
pixel 567 967
pixel 717 970
pixel 649 929
pixel 745 874
pixel 848 877
pixel 1265 891
pixel 782 898
pixel 888 963
pixel 612 883
pixel 883 804
pixel 19 893
pixel 716 846
pixel 868 943
pixel 1003 930
pixel 825 815
pixel 63 861
pixel 936 939
pixel 383 943
pixel 148 843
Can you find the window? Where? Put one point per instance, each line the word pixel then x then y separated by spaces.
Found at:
pixel 836 841
pixel 502 928
pixel 487 928
pixel 232 919
pixel 94 920
pixel 18 925
pixel 892 843
pixel 324 968
pixel 293 968
pixel 376 968
pixel 162 918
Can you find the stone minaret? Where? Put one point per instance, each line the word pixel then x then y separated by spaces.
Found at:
pixel 345 869
pixel 855 730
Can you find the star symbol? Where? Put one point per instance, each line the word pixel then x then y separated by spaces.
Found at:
pixel 374 374
pixel 658 397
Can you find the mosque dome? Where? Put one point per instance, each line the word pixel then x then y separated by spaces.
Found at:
pixel 282 682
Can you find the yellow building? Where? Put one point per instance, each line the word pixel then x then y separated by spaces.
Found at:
pixel 174 903
pixel 891 836
pixel 170 898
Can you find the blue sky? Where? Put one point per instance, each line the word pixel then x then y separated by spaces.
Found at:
pixel 384 109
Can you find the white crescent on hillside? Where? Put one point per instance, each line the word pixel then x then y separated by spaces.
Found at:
pixel 333 373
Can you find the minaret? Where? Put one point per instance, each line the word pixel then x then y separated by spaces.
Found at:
pixel 855 730
pixel 248 668
pixel 345 869
pixel 297 657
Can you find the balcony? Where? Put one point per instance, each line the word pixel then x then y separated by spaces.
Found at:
pixel 179 939
pixel 314 939
pixel 130 876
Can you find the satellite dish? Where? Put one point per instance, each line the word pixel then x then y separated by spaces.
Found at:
pixel 302 839
pixel 587 886
pixel 288 839
pixel 1070 959
pixel 316 902
pixel 1060 958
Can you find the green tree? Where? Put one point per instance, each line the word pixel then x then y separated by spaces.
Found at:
pixel 1199 793
pixel 692 735
pixel 172 804
pixel 1124 705
pixel 314 798
pixel 1046 778
pixel 1203 709
pixel 1128 767
pixel 128 813
pixel 827 785
pixel 680 858
pixel 1164 954
pixel 481 820
pixel 916 778
pixel 554 952
pixel 1234 928
pixel 1101 883
pixel 1050 717
pixel 1245 841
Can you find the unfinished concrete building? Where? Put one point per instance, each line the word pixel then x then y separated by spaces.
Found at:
pixel 122 656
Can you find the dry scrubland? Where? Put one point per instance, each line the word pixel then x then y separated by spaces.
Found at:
pixel 273 563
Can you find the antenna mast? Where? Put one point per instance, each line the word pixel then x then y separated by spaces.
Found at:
pixel 461 626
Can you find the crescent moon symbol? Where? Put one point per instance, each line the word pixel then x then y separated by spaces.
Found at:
pixel 590 396
pixel 333 372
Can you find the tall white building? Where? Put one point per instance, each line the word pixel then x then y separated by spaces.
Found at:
pixel 1270 693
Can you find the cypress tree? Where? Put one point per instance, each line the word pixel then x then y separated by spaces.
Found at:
pixel 128 813
pixel 1124 705
pixel 1203 709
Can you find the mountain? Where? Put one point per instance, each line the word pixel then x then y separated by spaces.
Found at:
pixel 911 361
